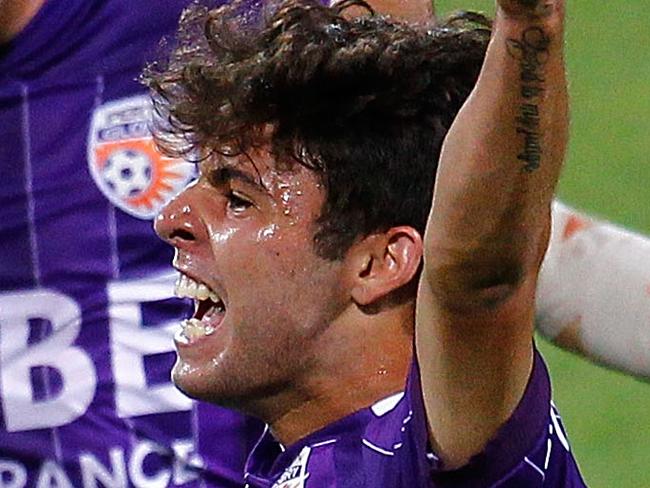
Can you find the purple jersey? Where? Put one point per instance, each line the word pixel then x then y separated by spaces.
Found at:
pixel 387 445
pixel 86 315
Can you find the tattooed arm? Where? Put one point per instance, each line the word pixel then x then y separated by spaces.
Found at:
pixel 488 231
pixel 578 305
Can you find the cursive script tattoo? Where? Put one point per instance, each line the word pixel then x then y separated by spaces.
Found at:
pixel 532 52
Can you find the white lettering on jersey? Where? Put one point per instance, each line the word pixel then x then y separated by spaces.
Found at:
pixel 56 351
pixel 95 474
pixel 295 475
pixel 121 473
pixel 52 475
pixel 136 471
pixel 130 342
pixel 186 462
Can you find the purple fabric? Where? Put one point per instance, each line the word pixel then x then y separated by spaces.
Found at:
pixel 85 310
pixel 388 447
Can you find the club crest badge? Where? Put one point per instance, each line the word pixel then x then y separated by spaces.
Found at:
pixel 124 162
pixel 295 476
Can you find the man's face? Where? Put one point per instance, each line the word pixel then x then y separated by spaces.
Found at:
pixel 243 234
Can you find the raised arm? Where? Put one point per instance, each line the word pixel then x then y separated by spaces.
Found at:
pixel 488 230
pixel 593 295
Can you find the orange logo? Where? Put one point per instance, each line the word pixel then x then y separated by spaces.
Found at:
pixel 125 164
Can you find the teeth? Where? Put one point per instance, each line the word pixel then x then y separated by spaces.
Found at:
pixel 202 292
pixel 186 287
pixel 194 329
pixel 192 286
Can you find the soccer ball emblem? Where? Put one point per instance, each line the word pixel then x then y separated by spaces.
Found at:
pixel 127 173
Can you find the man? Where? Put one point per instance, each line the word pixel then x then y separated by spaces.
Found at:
pixel 302 240
pixel 52 435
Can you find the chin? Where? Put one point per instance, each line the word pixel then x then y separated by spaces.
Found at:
pixel 184 383
pixel 194 383
pixel 207 386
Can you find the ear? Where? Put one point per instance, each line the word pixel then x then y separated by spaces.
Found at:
pixel 384 262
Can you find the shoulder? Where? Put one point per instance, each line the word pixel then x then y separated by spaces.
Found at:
pixel 387 445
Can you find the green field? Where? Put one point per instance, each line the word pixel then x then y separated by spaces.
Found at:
pixel 607 173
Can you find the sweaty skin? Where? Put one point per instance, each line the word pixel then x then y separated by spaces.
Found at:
pixel 296 327
pixel 284 345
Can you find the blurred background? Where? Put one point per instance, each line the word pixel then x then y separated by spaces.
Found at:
pixel 607 174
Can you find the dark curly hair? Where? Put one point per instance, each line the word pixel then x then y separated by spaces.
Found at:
pixel 364 102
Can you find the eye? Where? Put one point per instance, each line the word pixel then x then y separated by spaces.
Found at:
pixel 237 203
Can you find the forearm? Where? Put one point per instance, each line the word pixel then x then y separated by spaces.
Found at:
pixel 499 165
pixel 593 294
pixel 487 233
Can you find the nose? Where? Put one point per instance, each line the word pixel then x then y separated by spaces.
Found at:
pixel 178 223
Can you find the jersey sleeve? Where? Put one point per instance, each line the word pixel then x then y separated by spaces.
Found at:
pixel 531 449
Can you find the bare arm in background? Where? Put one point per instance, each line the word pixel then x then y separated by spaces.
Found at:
pixel 488 231
pixel 15 15
pixel 594 291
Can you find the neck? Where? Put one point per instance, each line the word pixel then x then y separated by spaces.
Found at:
pixel 357 365
pixel 15 15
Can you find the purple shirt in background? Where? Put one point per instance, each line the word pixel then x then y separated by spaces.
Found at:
pixel 386 446
pixel 86 314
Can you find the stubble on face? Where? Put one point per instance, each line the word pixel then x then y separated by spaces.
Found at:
pixel 281 294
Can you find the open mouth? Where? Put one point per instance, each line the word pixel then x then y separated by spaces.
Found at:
pixel 209 310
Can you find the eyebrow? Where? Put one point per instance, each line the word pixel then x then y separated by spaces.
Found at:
pixel 225 174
